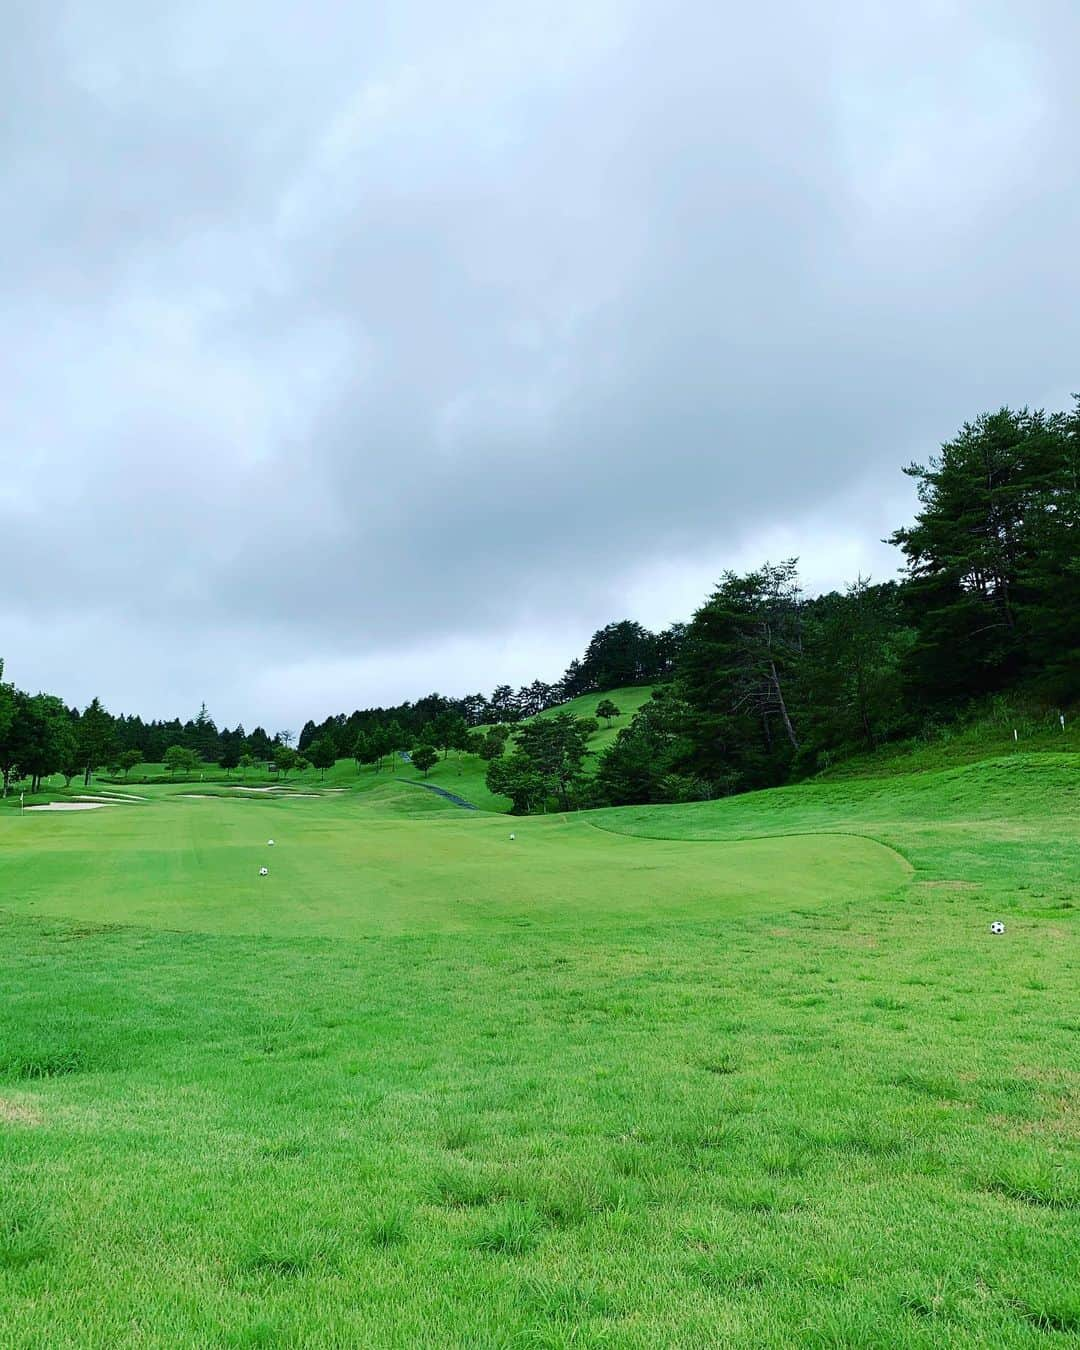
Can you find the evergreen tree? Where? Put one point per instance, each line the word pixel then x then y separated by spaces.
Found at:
pixel 96 737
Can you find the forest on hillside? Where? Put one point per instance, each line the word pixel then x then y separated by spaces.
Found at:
pixel 763 683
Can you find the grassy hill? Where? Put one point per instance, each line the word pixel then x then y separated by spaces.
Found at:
pixel 747 1072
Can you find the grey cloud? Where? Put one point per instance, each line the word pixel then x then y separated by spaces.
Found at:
pixel 339 333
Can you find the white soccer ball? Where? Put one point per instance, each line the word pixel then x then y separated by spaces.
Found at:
pixel 264 871
pixel 270 843
pixel 997 926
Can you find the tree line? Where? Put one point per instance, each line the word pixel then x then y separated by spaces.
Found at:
pixel 769 685
pixel 762 685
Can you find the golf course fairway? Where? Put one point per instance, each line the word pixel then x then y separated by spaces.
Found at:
pixel 747 1072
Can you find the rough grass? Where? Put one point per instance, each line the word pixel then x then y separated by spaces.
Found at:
pixel 625 1082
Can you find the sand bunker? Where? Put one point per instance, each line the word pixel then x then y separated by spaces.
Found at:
pixel 71 806
pixel 195 796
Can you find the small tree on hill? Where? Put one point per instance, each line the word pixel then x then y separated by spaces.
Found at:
pixel 285 758
pixel 424 757
pixel 323 754
pixel 179 759
pixel 129 759
pixel 230 758
pixel 494 743
pixel 606 710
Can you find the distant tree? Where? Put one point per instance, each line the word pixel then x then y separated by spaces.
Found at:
pixel 302 763
pixel 70 766
pixel 394 741
pixel 474 708
pixel 494 742
pixel 96 737
pixel 308 736
pixel 259 744
pixel 607 710
pixel 378 746
pixel 247 761
pixel 230 757
pixel 448 732
pixel 740 665
pixel 323 754
pixel 855 649
pixel 285 738
pixel 516 777
pixel 181 759
pixel 503 706
pixel 285 758
pixel 424 757
pixel 128 759
pixel 546 762
pixel 203 737
pixel 643 763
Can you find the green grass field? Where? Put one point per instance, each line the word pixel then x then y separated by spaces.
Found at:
pixel 749 1072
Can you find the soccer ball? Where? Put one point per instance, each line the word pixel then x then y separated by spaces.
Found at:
pixel 264 871
pixel 997 926
pixel 270 843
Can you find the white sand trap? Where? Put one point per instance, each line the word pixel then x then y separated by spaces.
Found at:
pixel 71 806
pixel 271 788
pixel 313 795
pixel 195 796
pixel 125 796
pixel 103 799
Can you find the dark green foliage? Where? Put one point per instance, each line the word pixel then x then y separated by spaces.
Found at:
pixel 285 757
pixel 323 753
pixel 606 710
pixel 643 763
pixel 622 654
pixel 992 558
pixel 179 759
pixel 424 757
pixel 739 671
pixel 129 758
pixel 96 737
pixel 851 687
pixel 493 742
pixel 545 766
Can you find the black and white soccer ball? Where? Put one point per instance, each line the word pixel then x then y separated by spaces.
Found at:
pixel 997 926
pixel 264 871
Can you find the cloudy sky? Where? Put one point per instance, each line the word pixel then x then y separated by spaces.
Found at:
pixel 349 350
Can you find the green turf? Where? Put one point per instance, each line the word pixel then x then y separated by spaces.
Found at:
pixel 627 700
pixel 751 1072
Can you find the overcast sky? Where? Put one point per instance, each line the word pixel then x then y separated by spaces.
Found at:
pixel 352 350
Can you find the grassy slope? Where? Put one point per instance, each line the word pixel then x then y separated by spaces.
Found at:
pixel 427 1087
pixel 465 774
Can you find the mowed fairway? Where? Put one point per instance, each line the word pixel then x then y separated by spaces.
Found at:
pixel 751 1072
pixel 351 867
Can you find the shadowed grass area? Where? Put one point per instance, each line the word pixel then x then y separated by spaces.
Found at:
pixel 770 1083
